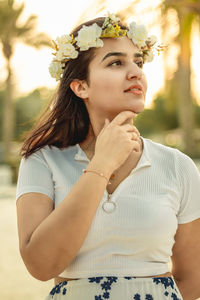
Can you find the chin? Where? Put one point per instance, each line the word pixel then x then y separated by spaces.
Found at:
pixel 137 109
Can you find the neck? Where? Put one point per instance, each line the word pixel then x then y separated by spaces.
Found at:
pixel 94 129
pixel 89 143
pixel 89 148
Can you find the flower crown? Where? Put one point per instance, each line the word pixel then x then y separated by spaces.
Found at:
pixel 66 46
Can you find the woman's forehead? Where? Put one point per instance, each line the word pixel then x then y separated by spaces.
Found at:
pixel 122 44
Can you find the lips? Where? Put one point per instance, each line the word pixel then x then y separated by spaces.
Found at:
pixel 135 87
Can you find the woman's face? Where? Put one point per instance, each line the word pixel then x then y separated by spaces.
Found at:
pixel 115 68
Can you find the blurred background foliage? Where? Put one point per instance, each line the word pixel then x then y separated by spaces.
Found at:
pixel 27 111
pixel 12 31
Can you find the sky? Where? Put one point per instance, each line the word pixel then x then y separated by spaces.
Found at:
pixel 59 17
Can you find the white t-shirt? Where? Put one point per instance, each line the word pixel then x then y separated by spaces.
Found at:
pixel 137 238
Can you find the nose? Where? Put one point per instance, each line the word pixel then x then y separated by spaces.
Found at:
pixel 134 72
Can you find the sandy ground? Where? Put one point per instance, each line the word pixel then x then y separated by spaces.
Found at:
pixel 15 281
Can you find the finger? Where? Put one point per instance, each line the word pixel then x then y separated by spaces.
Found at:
pixel 136 146
pixel 134 136
pixel 137 131
pixel 134 129
pixel 130 128
pixel 122 117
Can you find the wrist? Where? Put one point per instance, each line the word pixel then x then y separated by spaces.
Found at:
pixel 97 165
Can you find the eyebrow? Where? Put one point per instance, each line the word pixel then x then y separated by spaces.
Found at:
pixel 137 54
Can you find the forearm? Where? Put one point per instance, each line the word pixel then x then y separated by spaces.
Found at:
pixel 189 289
pixel 57 240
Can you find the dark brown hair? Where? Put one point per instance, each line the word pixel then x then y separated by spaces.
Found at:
pixel 65 122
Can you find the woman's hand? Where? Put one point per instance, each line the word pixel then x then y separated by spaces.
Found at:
pixel 116 140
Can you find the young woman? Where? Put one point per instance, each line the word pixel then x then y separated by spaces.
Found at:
pixel 100 208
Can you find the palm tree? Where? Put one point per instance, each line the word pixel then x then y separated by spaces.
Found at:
pixel 10 34
pixel 187 12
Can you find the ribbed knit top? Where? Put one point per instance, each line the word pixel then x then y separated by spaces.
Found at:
pixel 136 239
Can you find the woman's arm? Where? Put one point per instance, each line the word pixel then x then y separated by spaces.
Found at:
pixel 186 259
pixel 49 239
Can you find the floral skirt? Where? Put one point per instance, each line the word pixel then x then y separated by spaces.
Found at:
pixel 116 288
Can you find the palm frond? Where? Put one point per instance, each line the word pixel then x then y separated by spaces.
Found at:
pixel 31 22
pixel 14 14
pixel 8 20
pixel 11 31
pixel 38 40
pixel 28 27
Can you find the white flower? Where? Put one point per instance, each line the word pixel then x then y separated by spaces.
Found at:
pixel 88 36
pixel 64 39
pixel 113 18
pixel 151 40
pixel 138 34
pixel 91 36
pixel 66 51
pixel 55 69
pixel 149 56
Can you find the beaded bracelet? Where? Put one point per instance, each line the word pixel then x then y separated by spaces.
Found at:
pixel 100 174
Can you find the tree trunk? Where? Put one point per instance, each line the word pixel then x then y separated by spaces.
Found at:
pixel 8 116
pixel 185 102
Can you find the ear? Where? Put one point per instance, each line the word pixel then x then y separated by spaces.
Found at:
pixel 80 88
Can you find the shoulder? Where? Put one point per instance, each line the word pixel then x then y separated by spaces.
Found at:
pixel 171 157
pixel 53 151
pixel 50 155
pixel 160 151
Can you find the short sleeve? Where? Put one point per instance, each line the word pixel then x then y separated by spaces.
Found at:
pixel 34 176
pixel 189 180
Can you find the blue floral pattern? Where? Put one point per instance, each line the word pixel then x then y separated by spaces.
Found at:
pixel 95 279
pixel 59 288
pixel 148 297
pixel 167 282
pixel 106 283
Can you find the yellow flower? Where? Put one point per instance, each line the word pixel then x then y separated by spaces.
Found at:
pixel 113 31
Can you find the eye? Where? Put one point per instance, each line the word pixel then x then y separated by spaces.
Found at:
pixel 140 63
pixel 116 62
